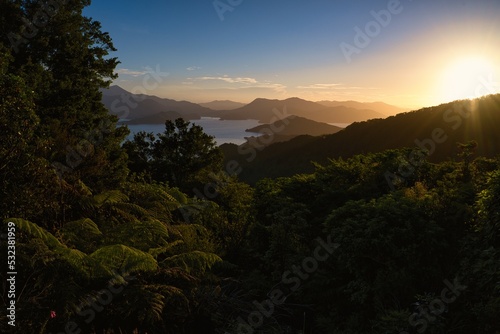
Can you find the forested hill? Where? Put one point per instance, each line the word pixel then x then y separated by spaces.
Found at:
pixel 266 110
pixel 436 129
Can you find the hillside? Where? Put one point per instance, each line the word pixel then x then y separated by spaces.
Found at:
pixel 222 105
pixel 266 110
pixel 437 129
pixel 127 105
pixel 133 106
pixel 380 107
pixel 295 126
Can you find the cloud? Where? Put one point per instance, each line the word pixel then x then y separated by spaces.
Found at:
pixel 320 86
pixel 230 80
pixel 335 86
pixel 236 84
pixel 193 68
pixel 133 73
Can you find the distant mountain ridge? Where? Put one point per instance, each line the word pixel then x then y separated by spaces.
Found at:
pixel 135 106
pixel 142 108
pixel 381 107
pixel 222 105
pixel 437 129
pixel 264 110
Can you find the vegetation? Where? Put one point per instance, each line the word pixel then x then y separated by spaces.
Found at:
pixel 153 236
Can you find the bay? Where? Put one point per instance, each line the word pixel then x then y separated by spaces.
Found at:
pixel 224 131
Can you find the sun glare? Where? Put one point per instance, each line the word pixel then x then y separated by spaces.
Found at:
pixel 466 78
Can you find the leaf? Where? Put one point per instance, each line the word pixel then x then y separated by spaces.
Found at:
pixel 109 197
pixel 196 261
pixel 122 258
pixel 74 257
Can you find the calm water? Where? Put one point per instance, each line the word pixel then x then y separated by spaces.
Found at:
pixel 224 131
pixel 341 125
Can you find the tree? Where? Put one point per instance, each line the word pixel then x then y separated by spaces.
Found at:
pixel 183 155
pixel 26 180
pixel 63 57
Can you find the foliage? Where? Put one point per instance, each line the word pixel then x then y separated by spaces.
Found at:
pixel 183 155
pixel 178 246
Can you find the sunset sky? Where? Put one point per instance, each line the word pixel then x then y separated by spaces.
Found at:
pixel 427 52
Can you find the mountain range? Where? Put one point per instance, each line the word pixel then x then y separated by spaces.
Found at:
pixel 127 105
pixel 222 105
pixel 147 109
pixel 438 130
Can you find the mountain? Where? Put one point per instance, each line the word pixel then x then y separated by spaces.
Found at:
pixel 267 111
pixel 436 129
pixel 133 106
pixel 127 105
pixel 380 107
pixel 295 126
pixel 222 105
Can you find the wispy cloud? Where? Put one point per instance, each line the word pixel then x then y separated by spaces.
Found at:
pixel 334 86
pixel 133 73
pixel 320 86
pixel 228 83
pixel 193 68
pixel 230 80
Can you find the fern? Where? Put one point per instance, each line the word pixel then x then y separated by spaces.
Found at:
pixel 120 258
pixel 109 197
pixel 169 249
pixel 192 262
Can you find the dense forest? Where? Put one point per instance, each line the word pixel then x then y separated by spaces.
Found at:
pixel 160 235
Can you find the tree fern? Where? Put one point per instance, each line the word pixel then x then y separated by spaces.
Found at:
pixel 195 237
pixel 121 258
pixel 169 249
pixel 193 262
pixel 74 257
pixel 84 234
pixel 109 197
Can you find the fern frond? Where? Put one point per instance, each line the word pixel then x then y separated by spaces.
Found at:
pixel 192 262
pixel 121 258
pixel 74 257
pixel 109 197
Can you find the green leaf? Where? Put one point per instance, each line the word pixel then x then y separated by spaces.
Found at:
pixel 122 258
pixel 196 261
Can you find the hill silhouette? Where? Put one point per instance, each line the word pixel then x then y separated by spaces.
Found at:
pixel 437 129
pixel 135 106
pixel 266 110
pixel 380 107
pixel 222 105
pixel 139 107
pixel 295 126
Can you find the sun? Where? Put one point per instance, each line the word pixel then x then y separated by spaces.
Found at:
pixel 466 78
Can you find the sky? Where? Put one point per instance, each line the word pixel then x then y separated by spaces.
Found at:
pixel 410 53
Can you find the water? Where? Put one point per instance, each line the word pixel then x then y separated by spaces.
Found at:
pixel 224 131
pixel 341 125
